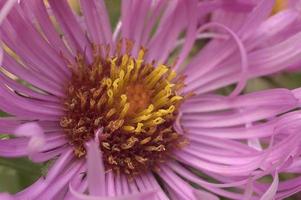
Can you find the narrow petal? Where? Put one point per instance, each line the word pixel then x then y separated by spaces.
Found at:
pixel 54 173
pixel 6 9
pixel 15 147
pixel 145 195
pixel 61 182
pixel 97 21
pixel 72 30
pixel 204 195
pixel 181 188
pixel 96 171
pixel 270 193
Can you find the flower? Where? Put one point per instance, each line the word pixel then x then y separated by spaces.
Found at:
pixel 132 114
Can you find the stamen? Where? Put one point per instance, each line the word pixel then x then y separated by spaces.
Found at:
pixel 136 104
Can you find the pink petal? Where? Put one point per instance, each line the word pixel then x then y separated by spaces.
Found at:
pixel 36 134
pixel 146 195
pixel 96 171
pixel 271 192
pixel 6 9
pixel 204 195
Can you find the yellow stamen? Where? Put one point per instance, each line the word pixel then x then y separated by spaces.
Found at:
pixel 133 101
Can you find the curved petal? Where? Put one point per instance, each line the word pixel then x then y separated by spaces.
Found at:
pixel 271 192
pixel 36 135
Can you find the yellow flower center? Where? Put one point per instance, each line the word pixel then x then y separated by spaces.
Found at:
pixel 135 104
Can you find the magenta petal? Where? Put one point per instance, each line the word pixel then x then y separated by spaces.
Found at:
pixel 234 140
pixel 146 196
pixel 96 171
pixel 35 133
pixel 97 21
pixel 6 9
pixel 204 195
pixel 69 24
pixel 192 10
pixel 259 14
pixel 13 147
pixel 271 192
pixel 3 13
pixel 5 196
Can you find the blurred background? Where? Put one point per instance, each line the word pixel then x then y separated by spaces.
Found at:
pixel 17 174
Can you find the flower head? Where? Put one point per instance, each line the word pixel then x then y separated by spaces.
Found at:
pixel 134 103
pixel 135 113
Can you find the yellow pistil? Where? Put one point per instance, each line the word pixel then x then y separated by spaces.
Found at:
pixel 135 103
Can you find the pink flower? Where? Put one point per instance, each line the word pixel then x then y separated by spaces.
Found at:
pixel 134 113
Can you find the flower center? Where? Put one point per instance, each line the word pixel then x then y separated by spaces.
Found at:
pixel 134 103
pixel 138 97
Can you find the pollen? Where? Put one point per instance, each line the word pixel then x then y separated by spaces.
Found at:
pixel 134 102
pixel 138 98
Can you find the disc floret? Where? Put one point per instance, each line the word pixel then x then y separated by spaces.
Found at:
pixel 135 103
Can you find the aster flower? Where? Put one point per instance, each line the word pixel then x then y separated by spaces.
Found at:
pixel 130 115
